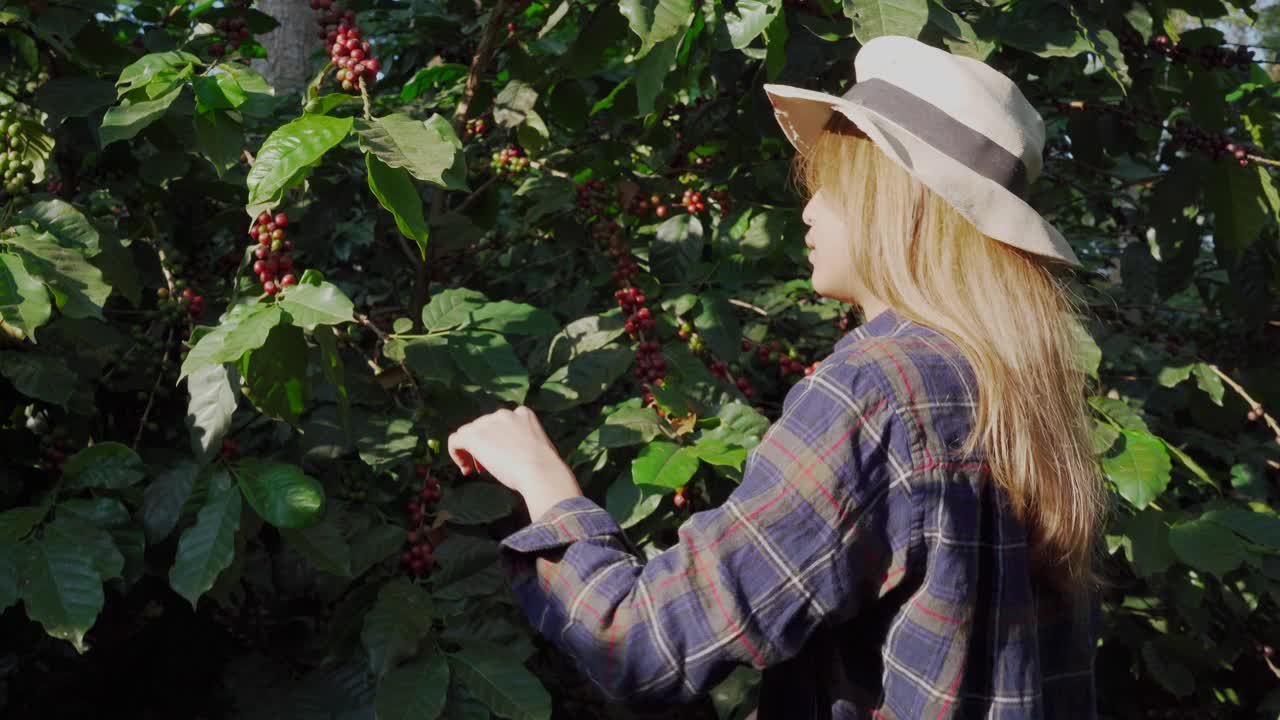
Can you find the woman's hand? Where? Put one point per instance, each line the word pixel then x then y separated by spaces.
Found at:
pixel 512 446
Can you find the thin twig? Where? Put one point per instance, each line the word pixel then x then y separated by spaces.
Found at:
pixel 155 387
pixel 1254 405
pixel 749 306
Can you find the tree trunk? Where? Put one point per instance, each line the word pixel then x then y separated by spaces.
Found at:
pixel 289 47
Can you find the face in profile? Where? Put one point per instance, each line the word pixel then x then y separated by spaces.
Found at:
pixel 828 241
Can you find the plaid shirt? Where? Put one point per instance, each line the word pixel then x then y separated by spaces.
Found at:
pixel 864 567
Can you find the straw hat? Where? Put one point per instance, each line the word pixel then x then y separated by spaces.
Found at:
pixel 961 127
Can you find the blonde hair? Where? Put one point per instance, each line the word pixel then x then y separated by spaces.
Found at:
pixel 1009 316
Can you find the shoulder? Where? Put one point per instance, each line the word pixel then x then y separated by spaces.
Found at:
pixel 911 370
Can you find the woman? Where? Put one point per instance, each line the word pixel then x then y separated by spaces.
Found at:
pixel 916 536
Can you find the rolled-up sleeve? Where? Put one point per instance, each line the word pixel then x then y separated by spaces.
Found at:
pixel 811 534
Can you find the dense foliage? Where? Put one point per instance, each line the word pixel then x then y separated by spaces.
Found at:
pixel 238 323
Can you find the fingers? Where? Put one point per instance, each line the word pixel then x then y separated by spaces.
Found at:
pixel 458 452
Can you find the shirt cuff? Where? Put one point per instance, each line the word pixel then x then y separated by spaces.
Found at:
pixel 564 523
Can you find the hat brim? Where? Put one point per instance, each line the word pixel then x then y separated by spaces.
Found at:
pixel 991 207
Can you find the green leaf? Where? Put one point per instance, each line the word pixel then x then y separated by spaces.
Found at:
pixel 626 427
pixel 61 587
pixel 430 77
pixel 136 111
pixel 740 425
pixel 17 522
pixel 873 18
pixel 451 308
pixel 718 325
pixel 323 546
pixel 24 302
pixel 326 103
pixel 476 503
pixel 651 73
pixel 74 96
pixel 414 691
pixel 583 336
pixel 429 151
pixel 109 465
pixel 513 318
pixel 332 367
pixel 275 375
pixel 585 378
pixel 513 103
pixel 461 556
pixel 627 503
pixel 1169 376
pixel 748 20
pixel 39 377
pixel 664 464
pixel 375 545
pixel 164 498
pixel 1239 205
pixel 8 575
pixel 384 441
pixel 1207 546
pixel 546 194
pixel 209 412
pixel 501 682
pixel 208 547
pixel 65 223
pixel 1140 469
pixel 141 72
pixel 217 92
pixel 282 494
pixel 316 303
pixel 656 20
pixel 94 542
pixel 396 194
pixel 1256 527
pixel 428 357
pixel 488 360
pixel 78 287
pixel 1085 350
pixel 1119 412
pixel 676 247
pixel 219 139
pixel 1148 535
pixel 288 154
pixel 244 328
pixel 1210 382
pixel 719 452
pixel 399 620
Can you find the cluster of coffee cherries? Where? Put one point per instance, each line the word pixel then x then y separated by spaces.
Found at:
pixel 14 169
pixel 272 262
pixel 183 301
pixel 348 50
pixel 229 448
pixel 53 454
pixel 692 201
pixel 417 559
pixel 593 199
pixel 1207 56
pixel 639 318
pixel 475 128
pixel 509 161
pixel 650 366
pixel 233 32
pixel 789 363
pixel 1215 145
pixel 640 206
pixel 626 263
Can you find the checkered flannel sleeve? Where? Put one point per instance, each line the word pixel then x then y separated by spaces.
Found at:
pixel 810 535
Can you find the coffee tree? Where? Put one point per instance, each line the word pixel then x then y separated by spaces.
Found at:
pixel 237 325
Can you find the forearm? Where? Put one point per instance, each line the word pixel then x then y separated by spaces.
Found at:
pixel 547 486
